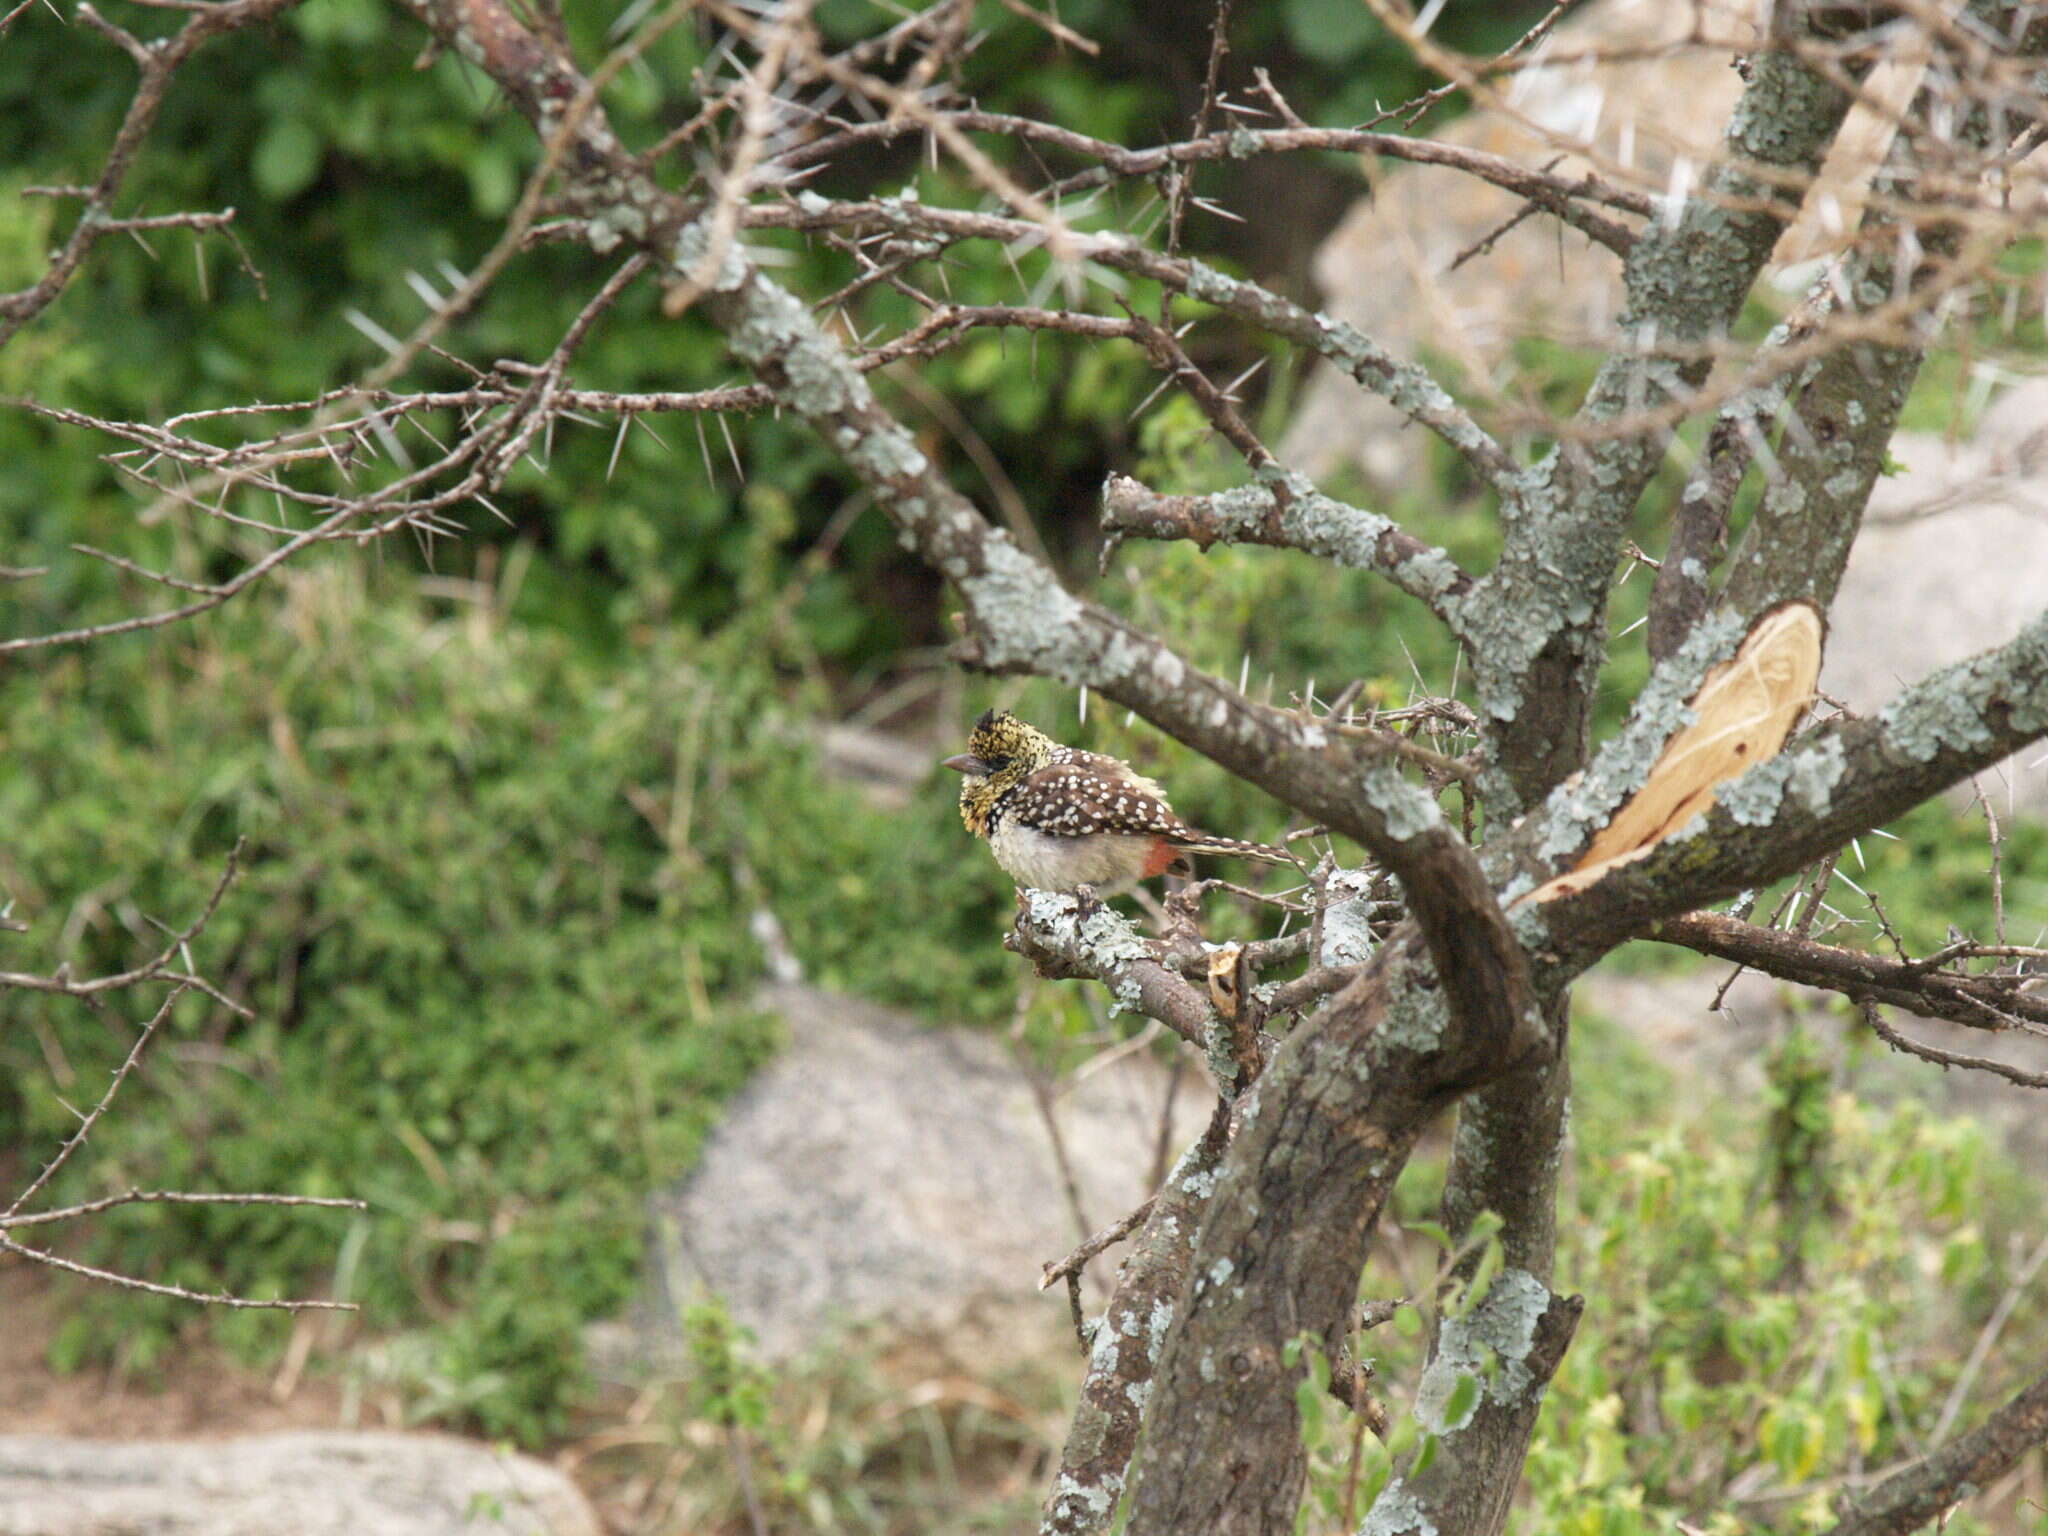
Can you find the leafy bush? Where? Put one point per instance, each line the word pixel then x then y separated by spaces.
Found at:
pixel 491 929
pixel 1704 1385
pixel 1708 1382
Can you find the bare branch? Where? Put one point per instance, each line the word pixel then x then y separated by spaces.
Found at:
pixel 172 1197
pixel 157 62
pixel 1981 1002
pixel 1124 1353
pixel 1107 1238
pixel 150 969
pixel 176 1292
pixel 1873 1015
pixel 1563 196
pixel 92 1118
pixel 1907 1500
pixel 1306 520
pixel 1409 387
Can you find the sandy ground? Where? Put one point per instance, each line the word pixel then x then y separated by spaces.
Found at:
pixel 197 1394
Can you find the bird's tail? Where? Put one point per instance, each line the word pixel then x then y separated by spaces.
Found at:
pixel 1233 848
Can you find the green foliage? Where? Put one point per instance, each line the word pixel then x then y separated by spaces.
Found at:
pixel 493 936
pixel 845 1440
pixel 726 1385
pixel 1697 1368
pixel 499 858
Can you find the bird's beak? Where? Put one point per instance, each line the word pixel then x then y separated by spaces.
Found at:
pixel 966 762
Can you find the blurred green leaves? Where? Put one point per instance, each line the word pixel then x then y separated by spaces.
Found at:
pixel 492 934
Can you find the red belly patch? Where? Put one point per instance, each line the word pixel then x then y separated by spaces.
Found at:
pixel 1161 857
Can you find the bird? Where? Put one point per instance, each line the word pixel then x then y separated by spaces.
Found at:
pixel 1060 819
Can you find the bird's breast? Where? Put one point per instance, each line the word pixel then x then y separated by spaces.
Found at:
pixel 1043 862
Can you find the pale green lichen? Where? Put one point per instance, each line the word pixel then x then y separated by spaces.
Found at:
pixel 693 252
pixel 1945 713
pixel 1102 1357
pixel 1346 534
pixel 1026 618
pixel 1528 922
pixel 1347 932
pixel 1219 1051
pixel 1086 1504
pixel 1753 799
pixel 1397 1512
pixel 1815 771
pixel 1106 938
pixel 1428 575
pixel 1156 1327
pixel 1405 811
pixel 1209 285
pixel 1489 1344
pixel 1199 1181
pixel 1417 1015
pixel 615 223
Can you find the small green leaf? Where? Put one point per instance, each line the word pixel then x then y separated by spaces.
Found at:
pixel 1464 1398
pixel 1330 31
pixel 287 158
pixel 1435 1233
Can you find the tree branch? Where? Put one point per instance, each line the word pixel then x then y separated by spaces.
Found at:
pixel 1824 788
pixel 1338 1109
pixel 1982 1002
pixel 1846 406
pixel 1907 1500
pixel 1065 935
pixel 157 63
pixel 1407 386
pixel 1124 1353
pixel 1505 1158
pixel 1536 626
pixel 1563 196
pixel 1303 519
pixel 1699 534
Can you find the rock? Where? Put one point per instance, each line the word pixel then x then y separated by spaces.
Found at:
pixel 1953 552
pixel 308 1483
pixel 1652 119
pixel 884 1172
pixel 1953 559
pixel 1722 1054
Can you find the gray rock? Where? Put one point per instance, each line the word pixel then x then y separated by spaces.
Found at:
pixel 881 1171
pixel 1953 559
pixel 1720 1054
pixel 308 1483
pixel 1648 117
pixel 1954 555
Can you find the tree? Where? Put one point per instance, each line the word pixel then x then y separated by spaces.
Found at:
pixel 1441 974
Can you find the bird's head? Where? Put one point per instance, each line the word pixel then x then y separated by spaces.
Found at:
pixel 1001 753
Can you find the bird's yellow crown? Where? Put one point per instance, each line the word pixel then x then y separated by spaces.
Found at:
pixel 1001 753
